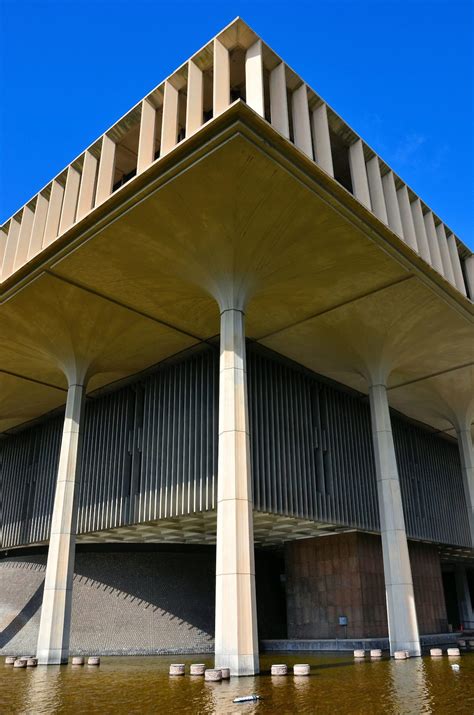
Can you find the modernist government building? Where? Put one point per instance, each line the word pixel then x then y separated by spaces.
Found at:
pixel 236 384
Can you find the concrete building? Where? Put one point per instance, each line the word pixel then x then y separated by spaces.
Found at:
pixel 236 383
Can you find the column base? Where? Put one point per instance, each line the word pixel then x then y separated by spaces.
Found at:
pixel 239 664
pixel 52 657
pixel 413 648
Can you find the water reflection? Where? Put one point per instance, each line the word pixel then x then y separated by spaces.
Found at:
pixel 42 693
pixel 410 692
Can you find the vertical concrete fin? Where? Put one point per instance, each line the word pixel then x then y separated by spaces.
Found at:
pixel 21 253
pixel 85 201
pixel 54 630
pixel 169 127
pixel 194 99
pixel 254 78
pixel 401 612
pixel 456 264
pixel 221 78
pixel 301 124
pixel 466 453
pixel 105 177
pixel 10 248
pixel 322 139
pixel 391 203
pixel 407 218
pixel 279 100
pixel 146 141
pixel 444 253
pixel 433 244
pixel 420 230
pixel 54 213
pixel 3 245
pixel 71 193
pixel 236 641
pixel 360 184
pixel 469 273
pixel 377 198
pixel 39 225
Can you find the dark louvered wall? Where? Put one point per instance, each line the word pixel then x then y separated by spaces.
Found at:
pixel 150 452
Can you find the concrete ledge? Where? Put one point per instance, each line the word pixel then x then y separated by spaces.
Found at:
pixel 341 644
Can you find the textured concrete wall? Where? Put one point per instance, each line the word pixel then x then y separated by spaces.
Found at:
pixel 133 602
pixel 142 602
pixel 342 575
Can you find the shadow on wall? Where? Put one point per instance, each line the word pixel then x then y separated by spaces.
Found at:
pixel 23 617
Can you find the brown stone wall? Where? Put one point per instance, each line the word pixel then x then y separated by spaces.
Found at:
pixel 428 588
pixel 342 575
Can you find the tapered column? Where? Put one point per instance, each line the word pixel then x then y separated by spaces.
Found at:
pixel 466 453
pixel 279 100
pixel 360 185
pixel 105 176
pixel 53 638
pixel 433 242
pixel 221 78
pixel 194 99
pixel 236 641
pixel 420 230
pixel 464 597
pixel 301 125
pixel 322 139
pixel 39 223
pixel 71 193
pixel 444 253
pixel 85 201
pixel 401 612
pixel 21 254
pixel 469 271
pixel 169 124
pixel 406 216
pixel 54 213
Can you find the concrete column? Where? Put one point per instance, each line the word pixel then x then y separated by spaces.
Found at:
pixel 71 193
pixel 105 177
pixel 53 638
pixel 322 139
pixel 444 253
pixel 88 180
pixel 420 230
pixel 146 142
pixel 279 100
pixel 466 453
pixel 456 264
pixel 402 621
pixel 21 253
pixel 469 272
pixel 194 99
pixel 169 125
pixel 466 612
pixel 10 249
pixel 377 198
pixel 433 243
pixel 406 216
pixel 3 245
pixel 360 184
pixel 254 78
pixel 391 202
pixel 221 79
pixel 301 125
pixel 39 224
pixel 236 641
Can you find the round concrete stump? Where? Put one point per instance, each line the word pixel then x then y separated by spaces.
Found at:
pixel 10 659
pixel 19 663
pixel 177 669
pixel 225 672
pixel 93 660
pixel 359 654
pixel 435 652
pixel 376 653
pixel 470 644
pixel 78 660
pixel 213 674
pixel 301 669
pixel 279 669
pixel 400 655
pixel 453 652
pixel 462 643
pixel 197 669
pixel 32 662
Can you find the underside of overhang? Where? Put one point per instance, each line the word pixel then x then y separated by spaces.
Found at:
pixel 238 212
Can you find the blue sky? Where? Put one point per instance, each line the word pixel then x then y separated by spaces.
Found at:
pixel 399 72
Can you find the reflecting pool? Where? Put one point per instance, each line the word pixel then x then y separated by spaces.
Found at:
pixel 337 684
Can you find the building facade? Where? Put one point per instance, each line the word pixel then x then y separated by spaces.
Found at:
pixel 236 384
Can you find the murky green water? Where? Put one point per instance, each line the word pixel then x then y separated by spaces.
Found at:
pixel 336 685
